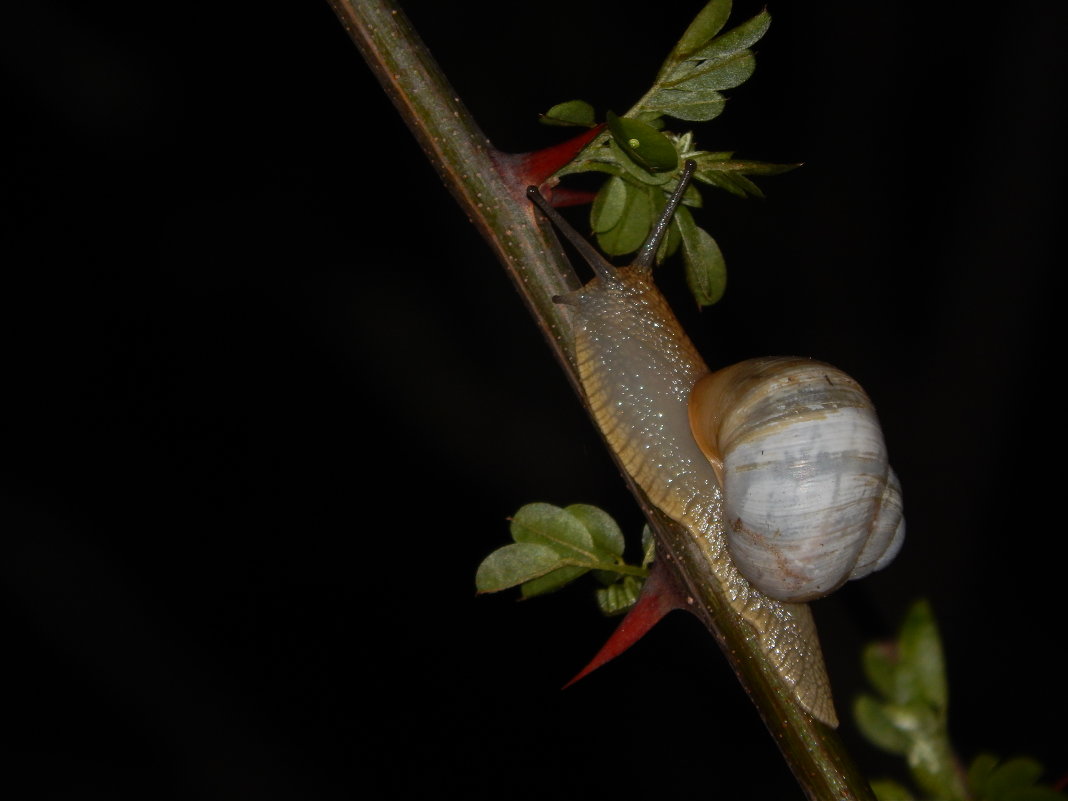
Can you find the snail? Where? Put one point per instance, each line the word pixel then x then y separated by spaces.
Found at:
pixel 775 466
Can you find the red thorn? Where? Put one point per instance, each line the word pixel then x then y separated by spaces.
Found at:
pixel 659 596
pixel 536 167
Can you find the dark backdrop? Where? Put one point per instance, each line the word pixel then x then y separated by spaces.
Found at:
pixel 269 399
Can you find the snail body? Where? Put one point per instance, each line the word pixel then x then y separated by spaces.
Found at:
pixel 645 381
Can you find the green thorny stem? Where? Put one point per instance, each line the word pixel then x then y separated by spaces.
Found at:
pixel 489 186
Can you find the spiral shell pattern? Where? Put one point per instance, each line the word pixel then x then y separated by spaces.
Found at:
pixel 809 495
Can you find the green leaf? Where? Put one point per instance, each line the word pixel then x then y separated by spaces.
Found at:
pixel 706 270
pixel 545 524
pixel 605 532
pixel 643 143
pixel 736 39
pixel 619 597
pixel 553 581
pixel 979 772
pixel 708 22
pixel 572 113
pixel 726 173
pixel 698 106
pixel 878 726
pixel 715 75
pixel 921 654
pixel 633 172
pixel 514 564
pixel 889 790
pixel 735 183
pixel 728 164
pixel 609 205
pixel 880 661
pixel 630 232
pixel 1013 774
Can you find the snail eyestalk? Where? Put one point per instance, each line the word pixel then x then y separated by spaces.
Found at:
pixel 647 254
pixel 605 271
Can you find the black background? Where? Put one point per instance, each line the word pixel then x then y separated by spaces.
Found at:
pixel 269 399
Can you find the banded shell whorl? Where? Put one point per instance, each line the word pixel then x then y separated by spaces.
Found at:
pixel 809 495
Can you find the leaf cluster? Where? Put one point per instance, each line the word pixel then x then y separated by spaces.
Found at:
pixel 642 156
pixel 908 716
pixel 553 546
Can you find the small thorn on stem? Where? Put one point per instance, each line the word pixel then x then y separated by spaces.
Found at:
pixel 658 597
pixel 536 167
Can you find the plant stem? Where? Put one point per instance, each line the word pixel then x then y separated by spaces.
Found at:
pixel 485 184
pixel 476 173
pixel 623 570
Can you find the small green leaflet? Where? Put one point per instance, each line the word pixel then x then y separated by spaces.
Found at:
pixel 622 592
pixel 643 144
pixel 719 169
pixel 609 205
pixel 619 596
pixel 623 219
pixel 554 546
pixel 577 113
pixel 706 270
pixel 708 22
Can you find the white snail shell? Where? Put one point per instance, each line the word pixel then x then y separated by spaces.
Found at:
pixel 809 497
